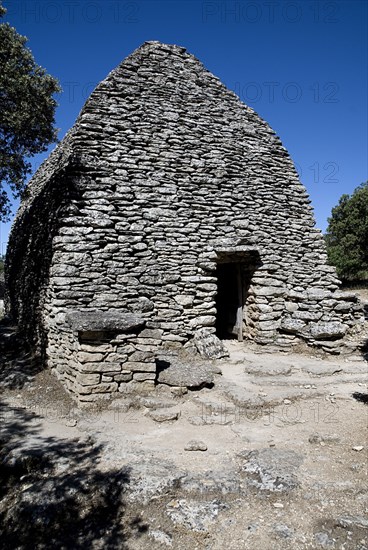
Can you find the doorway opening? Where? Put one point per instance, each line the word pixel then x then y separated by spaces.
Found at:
pixel 234 277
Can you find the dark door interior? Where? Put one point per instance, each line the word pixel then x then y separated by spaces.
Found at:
pixel 229 301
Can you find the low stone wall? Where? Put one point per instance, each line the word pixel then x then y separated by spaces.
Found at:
pixel 321 317
pixel 96 354
pixel 278 315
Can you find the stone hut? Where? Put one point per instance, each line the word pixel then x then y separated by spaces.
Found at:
pixel 169 215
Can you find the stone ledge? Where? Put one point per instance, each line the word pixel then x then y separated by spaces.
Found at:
pixel 96 320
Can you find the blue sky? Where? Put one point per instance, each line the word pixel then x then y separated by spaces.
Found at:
pixel 301 64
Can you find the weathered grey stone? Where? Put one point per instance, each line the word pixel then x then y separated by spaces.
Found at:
pixel 270 291
pixel 151 333
pixel 291 306
pixel 308 315
pixel 185 300
pixel 136 366
pixel 324 540
pixel 202 321
pixel 96 320
pixel 163 415
pixel 156 403
pixel 292 325
pixel 161 537
pixel 318 294
pixel 88 379
pixel 283 531
pixel 349 296
pixel 209 345
pixel 85 357
pixel 194 515
pixel 141 357
pixel 343 307
pixel 101 367
pixel 97 348
pixel 320 438
pixel 185 374
pixel 101 387
pixel 178 391
pixel 141 376
pixel 195 445
pixel 137 387
pixel 321 331
pixel 123 377
pixel 272 469
pixel 116 358
pixel 352 521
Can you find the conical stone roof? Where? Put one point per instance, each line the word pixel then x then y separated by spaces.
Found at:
pixel 161 97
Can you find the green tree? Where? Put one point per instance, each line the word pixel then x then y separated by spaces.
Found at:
pixel 347 235
pixel 27 112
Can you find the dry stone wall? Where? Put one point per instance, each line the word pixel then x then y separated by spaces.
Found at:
pixel 98 353
pixel 165 175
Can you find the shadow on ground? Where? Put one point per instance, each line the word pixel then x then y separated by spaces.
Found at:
pixel 361 397
pixel 53 494
pixel 17 364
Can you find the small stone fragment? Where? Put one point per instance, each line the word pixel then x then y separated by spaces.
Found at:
pixel 358 448
pixel 283 531
pixel 161 537
pixel 178 391
pixel 323 439
pixel 209 346
pixel 324 540
pixel 195 445
pixel 163 415
pixel 70 422
pixel 352 521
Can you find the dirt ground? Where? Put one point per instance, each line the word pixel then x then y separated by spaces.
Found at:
pixel 283 463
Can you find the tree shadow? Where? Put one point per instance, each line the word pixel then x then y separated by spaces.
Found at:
pixel 53 492
pixel 360 396
pixel 17 362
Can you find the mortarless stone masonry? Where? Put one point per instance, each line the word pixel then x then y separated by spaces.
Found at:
pixel 169 213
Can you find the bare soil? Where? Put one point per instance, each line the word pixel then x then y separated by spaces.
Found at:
pixel 285 466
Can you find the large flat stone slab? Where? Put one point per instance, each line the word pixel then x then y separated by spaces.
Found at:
pixel 178 372
pixel 96 320
pixel 272 469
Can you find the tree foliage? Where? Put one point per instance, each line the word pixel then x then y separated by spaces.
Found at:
pixel 347 235
pixel 27 112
